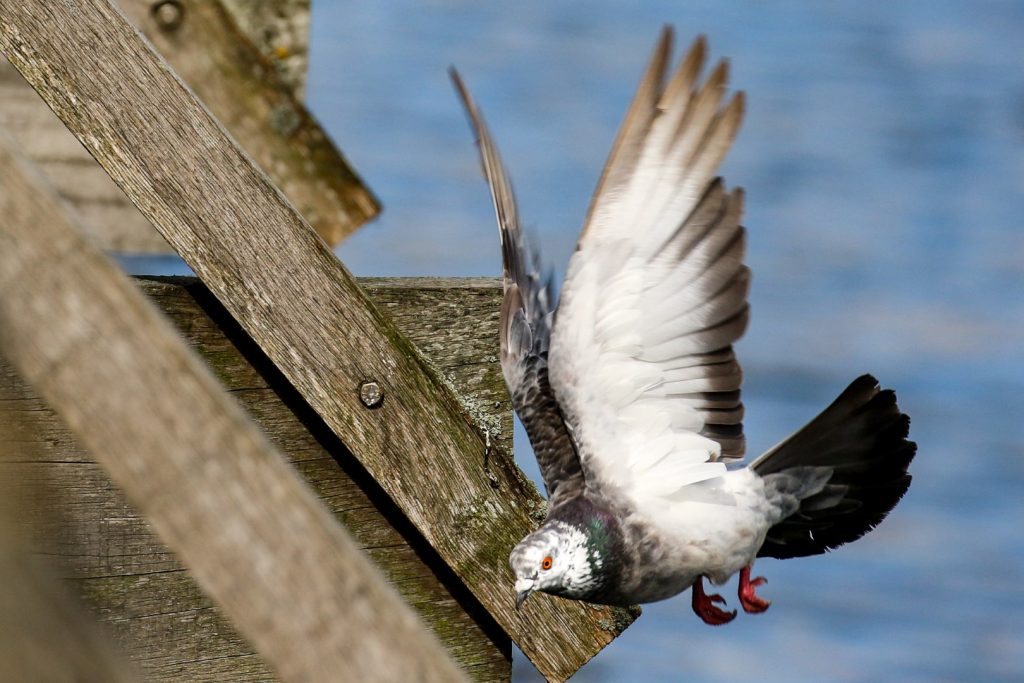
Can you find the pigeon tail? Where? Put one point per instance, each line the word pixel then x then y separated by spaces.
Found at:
pixel 846 469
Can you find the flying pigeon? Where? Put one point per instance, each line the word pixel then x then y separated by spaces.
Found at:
pixel 630 391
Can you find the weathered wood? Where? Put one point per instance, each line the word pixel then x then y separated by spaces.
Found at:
pixel 105 212
pixel 44 634
pixel 280 31
pixel 300 305
pixel 249 97
pixel 241 519
pixel 136 584
pixel 252 95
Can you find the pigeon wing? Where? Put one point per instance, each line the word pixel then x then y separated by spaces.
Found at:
pixel 525 326
pixel 641 357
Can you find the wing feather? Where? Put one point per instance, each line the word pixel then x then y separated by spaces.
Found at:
pixel 626 149
pixel 525 326
pixel 641 358
pixel 636 387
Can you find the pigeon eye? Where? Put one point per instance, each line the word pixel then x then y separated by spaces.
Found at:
pixel 546 563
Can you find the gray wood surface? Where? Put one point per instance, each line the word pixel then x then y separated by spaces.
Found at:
pixel 299 304
pixel 105 212
pixel 245 91
pixel 251 531
pixel 161 618
pixel 250 93
pixel 280 31
pixel 45 635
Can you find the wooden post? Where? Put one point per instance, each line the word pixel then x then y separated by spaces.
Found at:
pixel 161 619
pixel 290 294
pixel 251 532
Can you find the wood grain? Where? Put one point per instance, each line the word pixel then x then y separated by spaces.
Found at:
pixel 247 94
pixel 108 216
pixel 161 618
pixel 44 634
pixel 251 532
pixel 251 94
pixel 126 573
pixel 292 296
pixel 280 31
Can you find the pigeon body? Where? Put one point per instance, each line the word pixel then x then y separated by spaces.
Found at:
pixel 631 393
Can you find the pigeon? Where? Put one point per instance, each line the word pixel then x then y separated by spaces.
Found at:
pixel 629 388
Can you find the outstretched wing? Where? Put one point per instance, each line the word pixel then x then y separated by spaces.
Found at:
pixel 526 314
pixel 641 357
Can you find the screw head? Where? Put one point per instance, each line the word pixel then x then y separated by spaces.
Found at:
pixel 168 14
pixel 371 394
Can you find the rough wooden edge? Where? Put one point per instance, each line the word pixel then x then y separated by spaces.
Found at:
pixel 294 298
pixel 223 499
pixel 250 97
pixel 280 31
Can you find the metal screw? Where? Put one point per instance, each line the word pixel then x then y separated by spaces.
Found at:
pixel 371 394
pixel 168 14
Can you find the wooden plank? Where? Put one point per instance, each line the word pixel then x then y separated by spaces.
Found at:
pixel 161 618
pixel 106 213
pixel 44 634
pixel 280 31
pixel 248 96
pixel 292 296
pixel 241 519
pixel 251 94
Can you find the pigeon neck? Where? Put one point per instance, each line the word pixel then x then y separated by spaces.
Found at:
pixel 603 542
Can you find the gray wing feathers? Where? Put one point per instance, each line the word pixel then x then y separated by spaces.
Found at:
pixel 706 254
pixel 628 145
pixel 658 192
pixel 525 326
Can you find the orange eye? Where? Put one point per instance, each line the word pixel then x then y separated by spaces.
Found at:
pixel 546 563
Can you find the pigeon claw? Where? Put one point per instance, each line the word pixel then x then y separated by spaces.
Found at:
pixel 752 603
pixel 704 605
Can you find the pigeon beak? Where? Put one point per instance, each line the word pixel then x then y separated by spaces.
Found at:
pixel 523 589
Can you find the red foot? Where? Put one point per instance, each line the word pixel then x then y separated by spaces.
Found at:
pixel 704 607
pixel 751 602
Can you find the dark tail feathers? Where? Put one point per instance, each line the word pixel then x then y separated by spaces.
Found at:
pixel 862 437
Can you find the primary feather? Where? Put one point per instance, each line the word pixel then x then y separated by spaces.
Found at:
pixel 525 326
pixel 641 356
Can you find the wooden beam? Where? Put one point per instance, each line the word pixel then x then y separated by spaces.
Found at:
pixel 288 291
pixel 252 533
pixel 44 634
pixel 109 217
pixel 252 94
pixel 248 95
pixel 280 31
pixel 139 588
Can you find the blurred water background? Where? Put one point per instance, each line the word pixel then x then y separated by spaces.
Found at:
pixel 883 157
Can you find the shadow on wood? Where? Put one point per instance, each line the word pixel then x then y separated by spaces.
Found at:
pixel 140 588
pixel 251 532
pixel 282 284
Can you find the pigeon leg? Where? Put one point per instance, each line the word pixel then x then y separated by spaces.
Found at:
pixel 752 603
pixel 704 605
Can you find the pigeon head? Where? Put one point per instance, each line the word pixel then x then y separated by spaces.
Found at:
pixel 560 558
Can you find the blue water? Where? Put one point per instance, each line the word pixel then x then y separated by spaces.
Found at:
pixel 883 155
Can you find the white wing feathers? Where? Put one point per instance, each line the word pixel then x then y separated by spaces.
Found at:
pixel 641 359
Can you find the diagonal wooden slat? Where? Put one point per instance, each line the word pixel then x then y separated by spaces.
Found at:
pixel 248 95
pixel 284 286
pixel 215 490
